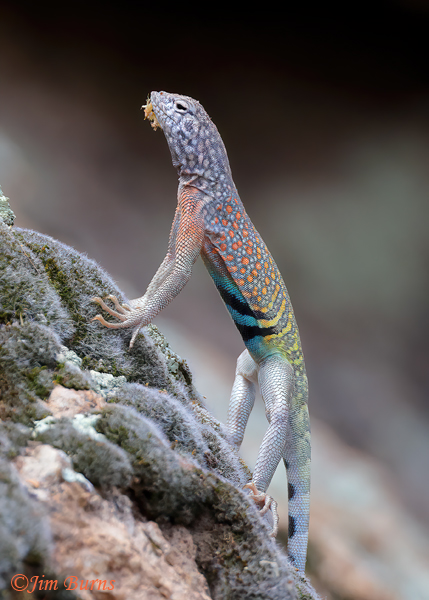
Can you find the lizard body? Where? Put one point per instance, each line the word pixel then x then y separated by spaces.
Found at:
pixel 211 221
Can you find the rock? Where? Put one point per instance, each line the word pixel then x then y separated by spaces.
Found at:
pixel 111 466
pixel 100 540
pixel 64 402
pixel 6 213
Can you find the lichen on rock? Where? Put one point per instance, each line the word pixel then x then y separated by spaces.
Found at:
pixel 6 213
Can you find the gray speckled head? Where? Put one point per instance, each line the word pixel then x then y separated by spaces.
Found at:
pixel 197 150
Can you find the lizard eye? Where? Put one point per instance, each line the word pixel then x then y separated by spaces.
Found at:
pixel 180 106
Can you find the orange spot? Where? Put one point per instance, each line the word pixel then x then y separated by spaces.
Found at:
pixel 277 287
pixel 233 268
pixel 229 257
pixel 224 222
pixel 242 270
pixel 240 243
pixel 255 272
pixel 240 282
pixel 245 260
pixel 246 294
pixel 249 250
pixel 231 234
pixel 267 281
pixel 238 215
pixel 229 209
pixel 222 237
pixel 245 233
pixel 250 243
pixel 266 265
pixel 273 275
pixel 216 220
pixel 250 279
pixel 235 200
pixel 223 247
pixel 235 246
pixel 258 265
pixel 259 298
pixel 235 225
pixel 264 290
pixel 219 207
pixel 255 291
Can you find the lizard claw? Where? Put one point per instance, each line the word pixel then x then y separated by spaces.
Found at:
pixel 119 315
pixel 105 323
pixel 267 502
pixel 124 314
pixel 135 333
pixel 121 308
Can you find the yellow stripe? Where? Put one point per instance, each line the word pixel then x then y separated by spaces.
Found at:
pixel 274 296
pixel 272 322
pixel 283 332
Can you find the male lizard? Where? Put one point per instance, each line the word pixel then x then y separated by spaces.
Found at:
pixel 211 221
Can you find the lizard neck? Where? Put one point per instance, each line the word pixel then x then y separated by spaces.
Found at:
pixel 202 162
pixel 218 189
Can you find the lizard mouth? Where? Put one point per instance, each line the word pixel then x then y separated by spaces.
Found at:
pixel 150 115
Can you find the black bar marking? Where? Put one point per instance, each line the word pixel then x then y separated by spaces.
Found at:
pixel 291 530
pixel 249 332
pixel 239 304
pixel 291 490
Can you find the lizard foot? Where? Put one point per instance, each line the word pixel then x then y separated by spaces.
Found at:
pixel 265 502
pixel 119 313
pixel 127 316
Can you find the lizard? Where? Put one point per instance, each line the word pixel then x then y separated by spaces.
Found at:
pixel 211 221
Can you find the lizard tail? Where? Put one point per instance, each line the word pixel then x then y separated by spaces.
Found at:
pixel 297 462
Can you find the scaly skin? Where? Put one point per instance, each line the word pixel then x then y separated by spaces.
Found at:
pixel 211 221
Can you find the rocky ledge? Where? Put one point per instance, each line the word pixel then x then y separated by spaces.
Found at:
pixel 115 481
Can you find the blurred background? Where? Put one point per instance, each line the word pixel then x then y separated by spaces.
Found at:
pixel 325 116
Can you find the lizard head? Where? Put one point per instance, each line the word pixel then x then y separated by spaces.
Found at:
pixel 196 147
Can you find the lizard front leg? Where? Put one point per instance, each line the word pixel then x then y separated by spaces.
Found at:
pixel 129 314
pixel 186 240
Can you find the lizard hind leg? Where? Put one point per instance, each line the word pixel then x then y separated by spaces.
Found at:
pixel 276 380
pixel 242 397
pixel 240 406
